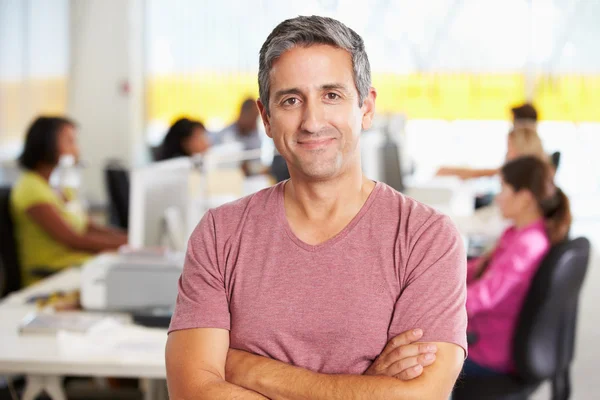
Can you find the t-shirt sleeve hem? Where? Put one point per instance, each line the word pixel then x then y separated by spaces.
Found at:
pixel 199 324
pixel 462 344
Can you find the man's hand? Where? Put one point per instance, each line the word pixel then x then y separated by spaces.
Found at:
pixel 402 358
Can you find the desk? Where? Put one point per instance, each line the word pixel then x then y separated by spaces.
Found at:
pixel 39 357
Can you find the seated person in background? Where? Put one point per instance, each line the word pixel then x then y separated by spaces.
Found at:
pixel 523 139
pixel 49 234
pixel 524 116
pixel 185 138
pixel 487 221
pixel 524 113
pixel 245 131
pixel 497 284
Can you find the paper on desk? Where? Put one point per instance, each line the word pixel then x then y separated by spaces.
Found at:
pixel 112 338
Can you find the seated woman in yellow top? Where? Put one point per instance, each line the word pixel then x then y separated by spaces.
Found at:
pixel 50 235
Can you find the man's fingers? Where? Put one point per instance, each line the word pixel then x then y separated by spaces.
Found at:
pixel 402 365
pixel 402 339
pixel 410 373
pixel 398 367
pixel 426 360
pixel 406 351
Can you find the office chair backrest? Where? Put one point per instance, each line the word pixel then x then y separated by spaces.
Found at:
pixel 2 278
pixel 545 336
pixel 555 158
pixel 117 184
pixel 8 246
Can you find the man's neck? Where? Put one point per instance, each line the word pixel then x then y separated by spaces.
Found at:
pixel 324 200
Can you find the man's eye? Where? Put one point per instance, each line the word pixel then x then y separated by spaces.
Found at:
pixel 292 101
pixel 332 96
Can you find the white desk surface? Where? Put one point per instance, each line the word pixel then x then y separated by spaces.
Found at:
pixel 40 354
pixel 66 280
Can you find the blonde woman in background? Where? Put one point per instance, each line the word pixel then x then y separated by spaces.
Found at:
pixel 487 222
pixel 522 140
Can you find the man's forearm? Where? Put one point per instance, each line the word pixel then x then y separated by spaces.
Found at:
pixel 215 389
pixel 304 384
pixel 225 391
pixel 277 380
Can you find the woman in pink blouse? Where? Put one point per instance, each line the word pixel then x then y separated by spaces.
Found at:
pixel 498 283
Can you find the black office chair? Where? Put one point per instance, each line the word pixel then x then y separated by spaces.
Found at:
pixel 117 186
pixel 8 247
pixel 555 158
pixel 545 336
pixel 155 152
pixel 484 200
pixel 2 278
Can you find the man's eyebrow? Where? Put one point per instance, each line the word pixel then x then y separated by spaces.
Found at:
pixel 327 86
pixel 283 92
pixel 335 86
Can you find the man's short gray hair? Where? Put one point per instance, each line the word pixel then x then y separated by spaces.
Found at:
pixel 307 31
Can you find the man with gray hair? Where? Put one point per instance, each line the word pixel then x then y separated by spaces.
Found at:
pixel 312 289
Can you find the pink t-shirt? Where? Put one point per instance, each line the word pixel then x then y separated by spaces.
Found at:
pixel 494 301
pixel 332 307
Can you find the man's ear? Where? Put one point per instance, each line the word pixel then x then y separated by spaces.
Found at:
pixel 368 109
pixel 264 115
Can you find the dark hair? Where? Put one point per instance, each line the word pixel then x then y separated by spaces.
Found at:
pixel 248 105
pixel 172 145
pixel 41 142
pixel 531 173
pixel 525 111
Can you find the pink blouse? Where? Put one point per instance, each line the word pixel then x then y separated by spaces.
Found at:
pixel 494 301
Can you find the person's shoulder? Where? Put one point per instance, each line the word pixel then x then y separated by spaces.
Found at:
pixel 412 211
pixel 419 223
pixel 263 201
pixel 29 185
pixel 534 239
pixel 25 179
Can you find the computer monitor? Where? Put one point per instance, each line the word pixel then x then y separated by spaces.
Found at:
pixel 381 158
pixel 168 198
pixel 156 191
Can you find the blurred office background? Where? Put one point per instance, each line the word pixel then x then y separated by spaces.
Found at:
pixel 124 70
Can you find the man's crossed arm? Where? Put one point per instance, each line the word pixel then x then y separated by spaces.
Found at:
pixel 201 366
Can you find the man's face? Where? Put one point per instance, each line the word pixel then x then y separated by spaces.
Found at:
pixel 315 119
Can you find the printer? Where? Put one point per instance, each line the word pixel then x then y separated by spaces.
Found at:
pixel 133 282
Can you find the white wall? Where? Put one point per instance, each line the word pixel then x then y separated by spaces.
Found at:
pixel 106 55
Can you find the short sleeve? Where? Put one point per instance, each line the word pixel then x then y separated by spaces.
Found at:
pixel 201 299
pixel 31 192
pixel 434 285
